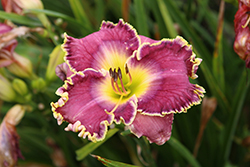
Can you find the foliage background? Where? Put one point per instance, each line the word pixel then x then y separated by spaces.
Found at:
pixel 221 73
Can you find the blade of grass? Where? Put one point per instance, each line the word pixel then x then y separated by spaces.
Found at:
pixel 59 15
pixel 99 11
pixel 141 18
pixel 167 19
pixel 214 88
pixel 158 17
pixel 80 14
pixel 87 149
pixel 111 163
pixel 230 126
pixel 183 151
pixel 19 19
pixel 218 70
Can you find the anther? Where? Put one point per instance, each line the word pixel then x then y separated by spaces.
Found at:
pixel 111 73
pixel 119 73
pixel 130 77
pixel 126 68
pixel 115 75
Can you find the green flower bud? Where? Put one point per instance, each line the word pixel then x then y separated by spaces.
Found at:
pixel 38 84
pixel 20 86
pixel 6 92
pixel 56 58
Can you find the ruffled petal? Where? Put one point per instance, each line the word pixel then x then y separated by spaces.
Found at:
pixel 109 47
pixel 157 129
pixel 167 65
pixel 81 108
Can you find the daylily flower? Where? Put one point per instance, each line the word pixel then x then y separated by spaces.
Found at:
pixel 242 31
pixel 9 144
pixel 14 62
pixel 119 76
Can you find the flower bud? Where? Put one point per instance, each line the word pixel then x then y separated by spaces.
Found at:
pixel 6 92
pixel 17 6
pixel 56 58
pixel 22 67
pixel 20 86
pixel 9 144
pixel 38 84
pixel 29 4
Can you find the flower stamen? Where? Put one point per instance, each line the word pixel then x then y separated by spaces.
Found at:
pixel 129 75
pixel 120 77
pixel 248 20
pixel 115 75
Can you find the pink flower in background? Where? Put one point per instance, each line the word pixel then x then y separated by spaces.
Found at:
pixel 115 75
pixel 242 31
pixel 9 139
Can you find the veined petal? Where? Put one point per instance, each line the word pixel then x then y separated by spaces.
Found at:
pixel 157 129
pixel 164 87
pixel 109 47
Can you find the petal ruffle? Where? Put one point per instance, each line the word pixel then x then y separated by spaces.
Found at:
pixel 168 65
pixel 78 106
pixel 157 129
pixel 95 50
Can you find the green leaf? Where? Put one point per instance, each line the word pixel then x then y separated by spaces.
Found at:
pixel 230 126
pixel 19 19
pixel 80 13
pixel 183 151
pixel 90 147
pixel 54 14
pixel 218 70
pixel 141 18
pixel 167 19
pixel 111 163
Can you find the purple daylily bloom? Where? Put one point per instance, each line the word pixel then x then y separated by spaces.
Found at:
pixel 242 31
pixel 119 76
